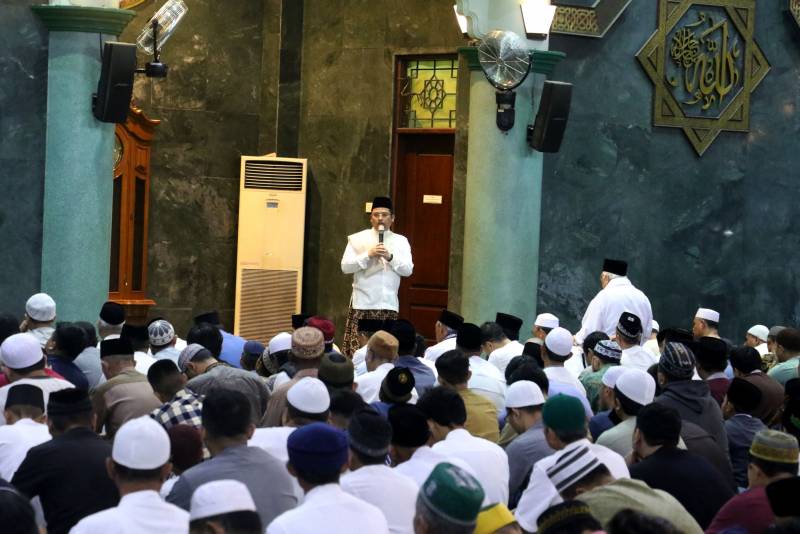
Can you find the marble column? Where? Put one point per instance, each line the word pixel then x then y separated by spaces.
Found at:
pixel 504 181
pixel 78 163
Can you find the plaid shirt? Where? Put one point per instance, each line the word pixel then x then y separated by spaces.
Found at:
pixel 185 408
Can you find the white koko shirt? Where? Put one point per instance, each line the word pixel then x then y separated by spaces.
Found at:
pixel 331 510
pixel 140 511
pixel 604 310
pixel 15 442
pixel 488 461
pixel 432 353
pixel 375 280
pixel 392 492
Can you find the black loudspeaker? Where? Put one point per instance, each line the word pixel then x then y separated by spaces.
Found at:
pixel 551 119
pixel 115 87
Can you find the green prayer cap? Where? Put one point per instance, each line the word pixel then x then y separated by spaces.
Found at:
pixel 453 494
pixel 564 413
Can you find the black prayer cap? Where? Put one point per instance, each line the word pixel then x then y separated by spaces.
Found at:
pixel 629 325
pixel 211 317
pixel 618 267
pixel 382 202
pixel 782 495
pixel 387 325
pixel 450 319
pixel 409 426
pixel 744 396
pixel 745 359
pixel 509 323
pixel 134 332
pixel 68 402
pixel 299 320
pixel 659 423
pixel 25 395
pixel 369 325
pixel 397 385
pixel 676 335
pixel 406 336
pixel 711 352
pixel 369 433
pixel 112 313
pixel 116 347
pixel 469 337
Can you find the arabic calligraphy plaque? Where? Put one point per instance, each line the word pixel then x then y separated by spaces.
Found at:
pixel 705 64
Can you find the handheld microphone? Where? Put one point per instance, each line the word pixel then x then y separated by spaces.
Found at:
pixel 381 229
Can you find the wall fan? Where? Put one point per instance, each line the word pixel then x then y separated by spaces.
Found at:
pixel 506 62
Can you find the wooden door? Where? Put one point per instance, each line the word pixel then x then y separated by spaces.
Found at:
pixel 423 205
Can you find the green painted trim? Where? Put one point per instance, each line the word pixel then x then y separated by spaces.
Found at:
pixel 470 53
pixel 545 61
pixel 84 19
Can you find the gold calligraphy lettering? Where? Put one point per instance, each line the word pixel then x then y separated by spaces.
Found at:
pixel 707 60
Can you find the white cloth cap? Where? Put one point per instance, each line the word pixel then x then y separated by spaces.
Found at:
pixel 282 341
pixel 141 443
pixel 654 326
pixel 707 314
pixel 20 351
pixel 41 307
pixel 309 395
pixel 559 342
pixel 220 497
pixel 637 385
pixel 524 393
pixel 546 320
pixel 759 331
pixel 610 377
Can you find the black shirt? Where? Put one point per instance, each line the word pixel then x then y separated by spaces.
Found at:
pixel 68 473
pixel 694 482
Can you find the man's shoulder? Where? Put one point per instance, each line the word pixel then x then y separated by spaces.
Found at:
pixel 360 234
pixel 98 521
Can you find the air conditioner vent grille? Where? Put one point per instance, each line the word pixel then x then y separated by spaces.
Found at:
pixel 274 175
pixel 268 301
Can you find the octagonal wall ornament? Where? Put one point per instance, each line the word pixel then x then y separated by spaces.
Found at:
pixel 705 64
pixel 587 18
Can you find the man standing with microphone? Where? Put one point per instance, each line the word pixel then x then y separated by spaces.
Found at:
pixel 377 258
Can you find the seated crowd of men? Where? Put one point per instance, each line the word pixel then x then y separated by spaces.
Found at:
pixel 112 427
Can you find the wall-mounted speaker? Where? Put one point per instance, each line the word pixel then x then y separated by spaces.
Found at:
pixel 547 131
pixel 115 87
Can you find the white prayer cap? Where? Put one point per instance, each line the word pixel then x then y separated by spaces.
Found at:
pixel 559 342
pixel 220 497
pixel 141 443
pixel 309 395
pixel 654 326
pixel 282 341
pixel 759 331
pixel 20 351
pixel 160 332
pixel 524 393
pixel 637 385
pixel 41 307
pixel 610 377
pixel 546 320
pixel 707 314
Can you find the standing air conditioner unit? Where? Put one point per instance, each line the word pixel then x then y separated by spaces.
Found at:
pixel 269 262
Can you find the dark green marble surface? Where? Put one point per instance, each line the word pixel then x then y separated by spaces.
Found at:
pixel 718 231
pixel 23 104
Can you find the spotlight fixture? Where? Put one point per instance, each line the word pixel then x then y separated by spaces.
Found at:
pixel 537 16
pixel 462 22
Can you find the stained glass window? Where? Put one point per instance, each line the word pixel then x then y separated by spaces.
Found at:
pixel 428 93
